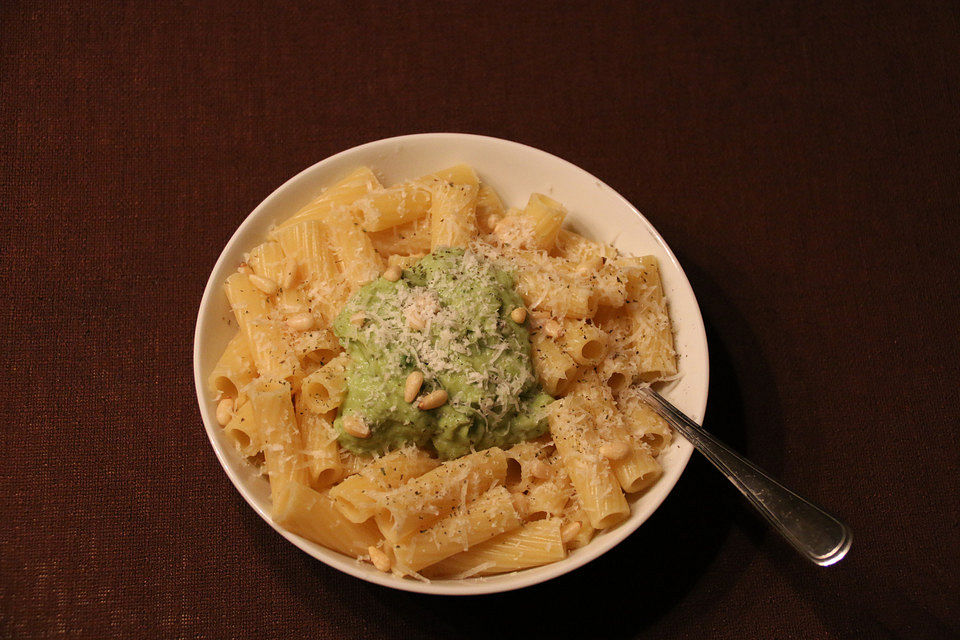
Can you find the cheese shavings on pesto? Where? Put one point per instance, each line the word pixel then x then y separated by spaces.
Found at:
pixel 447 317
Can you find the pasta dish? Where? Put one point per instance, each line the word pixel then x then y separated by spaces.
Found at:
pixel 439 385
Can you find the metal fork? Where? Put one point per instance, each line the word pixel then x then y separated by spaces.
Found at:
pixel 816 534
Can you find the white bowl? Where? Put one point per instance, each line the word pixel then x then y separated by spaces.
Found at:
pixel 515 171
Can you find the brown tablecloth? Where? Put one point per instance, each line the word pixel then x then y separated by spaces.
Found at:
pixel 801 159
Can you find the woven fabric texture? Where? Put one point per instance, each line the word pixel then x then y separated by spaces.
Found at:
pixel 801 158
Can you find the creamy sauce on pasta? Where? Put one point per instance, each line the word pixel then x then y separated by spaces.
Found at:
pixel 447 317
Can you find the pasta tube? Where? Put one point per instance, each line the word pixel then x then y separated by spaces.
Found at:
pixel 244 432
pixel 320 447
pixel 406 239
pixel 534 544
pixel 357 496
pixel 322 283
pixel 586 343
pixel 234 370
pixel 644 422
pixel 491 514
pixel 545 216
pixel 342 194
pixel 283 450
pixel 271 351
pixel 555 368
pixel 424 500
pixel 453 216
pixel 311 515
pixel 489 208
pixel 394 206
pixel 633 466
pixel 650 333
pixel 578 445
pixel 359 261
pixel 323 390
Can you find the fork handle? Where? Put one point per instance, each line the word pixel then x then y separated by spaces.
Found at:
pixel 816 534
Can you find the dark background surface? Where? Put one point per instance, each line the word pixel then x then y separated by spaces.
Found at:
pixel 801 159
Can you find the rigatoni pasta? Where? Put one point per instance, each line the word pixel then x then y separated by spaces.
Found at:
pixel 348 343
pixel 272 353
pixel 234 370
pixel 453 215
pixel 472 523
pixel 393 207
pixel 244 431
pixel 319 445
pixel 579 445
pixel 345 193
pixel 322 391
pixel 535 543
pixel 362 495
pixel 313 515
pixel 283 445
pixel 427 498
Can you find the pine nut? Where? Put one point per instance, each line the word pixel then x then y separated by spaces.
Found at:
pixel 412 386
pixel 224 411
pixel 570 531
pixel 293 308
pixel 300 322
pixel 614 450
pixel 358 319
pixel 433 400
pixel 355 426
pixel 392 274
pixel 540 469
pixel 290 271
pixel 379 559
pixel 266 285
pixel 518 315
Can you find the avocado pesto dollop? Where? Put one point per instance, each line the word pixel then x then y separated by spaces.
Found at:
pixel 447 317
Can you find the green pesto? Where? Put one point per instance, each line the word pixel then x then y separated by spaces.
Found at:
pixel 471 348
